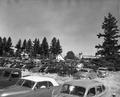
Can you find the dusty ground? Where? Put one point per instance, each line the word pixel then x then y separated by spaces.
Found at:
pixel 112 81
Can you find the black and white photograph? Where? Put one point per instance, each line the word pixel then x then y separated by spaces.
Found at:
pixel 59 48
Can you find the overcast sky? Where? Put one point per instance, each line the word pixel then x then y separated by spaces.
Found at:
pixel 75 22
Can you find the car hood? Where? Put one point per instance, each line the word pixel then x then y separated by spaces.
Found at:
pixel 14 90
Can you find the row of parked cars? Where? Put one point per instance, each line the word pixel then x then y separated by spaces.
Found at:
pixel 88 73
pixel 37 86
pixel 13 84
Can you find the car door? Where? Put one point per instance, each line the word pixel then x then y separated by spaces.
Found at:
pixel 42 89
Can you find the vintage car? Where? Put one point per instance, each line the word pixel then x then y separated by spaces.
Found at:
pixel 9 76
pixel 30 86
pixel 81 88
pixel 102 72
pixel 85 73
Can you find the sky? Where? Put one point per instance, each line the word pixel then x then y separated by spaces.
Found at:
pixel 75 23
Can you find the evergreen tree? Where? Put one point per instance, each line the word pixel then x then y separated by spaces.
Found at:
pixel 18 47
pixel 53 49
pixel 9 49
pixel 4 45
pixel 109 49
pixel 1 47
pixel 39 48
pixel 45 48
pixel 36 46
pixel 29 46
pixel 24 45
pixel 9 44
pixel 58 47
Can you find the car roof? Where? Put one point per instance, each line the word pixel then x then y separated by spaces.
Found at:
pixel 84 83
pixel 36 78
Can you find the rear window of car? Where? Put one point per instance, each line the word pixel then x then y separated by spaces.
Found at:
pixel 15 74
pixel 73 90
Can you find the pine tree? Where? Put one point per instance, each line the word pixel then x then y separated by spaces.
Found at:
pixel 58 47
pixel 29 46
pixel 53 46
pixel 18 47
pixel 45 48
pixel 9 44
pixel 24 45
pixel 36 46
pixel 109 49
pixel 1 47
pixel 4 45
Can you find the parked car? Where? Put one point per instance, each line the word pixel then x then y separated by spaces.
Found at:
pixel 85 73
pixel 9 76
pixel 81 88
pixel 31 86
pixel 102 72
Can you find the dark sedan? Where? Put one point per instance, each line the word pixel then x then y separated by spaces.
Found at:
pixel 9 76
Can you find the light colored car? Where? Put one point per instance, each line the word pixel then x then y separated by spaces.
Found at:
pixel 85 73
pixel 81 88
pixel 30 86
pixel 102 72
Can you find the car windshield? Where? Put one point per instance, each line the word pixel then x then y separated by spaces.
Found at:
pixel 73 90
pixel 25 83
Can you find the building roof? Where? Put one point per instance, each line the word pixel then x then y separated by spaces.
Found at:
pixel 36 78
pixel 84 83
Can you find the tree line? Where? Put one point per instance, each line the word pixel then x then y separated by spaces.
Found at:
pixel 108 50
pixel 6 46
pixel 33 48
